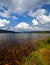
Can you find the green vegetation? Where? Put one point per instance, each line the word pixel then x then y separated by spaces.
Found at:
pixel 41 56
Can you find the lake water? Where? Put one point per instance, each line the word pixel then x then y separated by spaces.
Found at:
pixel 21 38
pixel 14 47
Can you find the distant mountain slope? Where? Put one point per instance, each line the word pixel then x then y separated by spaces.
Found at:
pixel 34 32
pixel 6 31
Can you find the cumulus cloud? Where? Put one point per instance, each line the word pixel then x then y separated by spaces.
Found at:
pixel 43 19
pixel 40 16
pixel 22 25
pixel 35 22
pixel 20 6
pixel 4 22
pixel 37 12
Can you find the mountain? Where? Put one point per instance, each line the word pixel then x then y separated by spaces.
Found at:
pixel 34 32
pixel 6 31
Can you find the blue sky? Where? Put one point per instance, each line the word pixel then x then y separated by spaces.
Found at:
pixel 25 15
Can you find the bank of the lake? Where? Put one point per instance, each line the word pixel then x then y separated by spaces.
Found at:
pixel 41 56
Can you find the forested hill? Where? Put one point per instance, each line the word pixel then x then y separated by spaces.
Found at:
pixel 6 31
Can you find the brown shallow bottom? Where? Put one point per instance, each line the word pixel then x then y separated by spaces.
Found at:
pixel 12 53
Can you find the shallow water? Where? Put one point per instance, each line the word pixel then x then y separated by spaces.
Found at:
pixel 14 47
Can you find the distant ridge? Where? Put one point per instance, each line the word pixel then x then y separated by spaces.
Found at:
pixel 34 32
pixel 7 31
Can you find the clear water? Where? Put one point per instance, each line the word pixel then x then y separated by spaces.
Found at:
pixel 21 38
pixel 14 47
pixel 8 36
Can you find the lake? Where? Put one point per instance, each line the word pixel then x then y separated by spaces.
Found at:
pixel 15 46
pixel 21 37
pixel 9 39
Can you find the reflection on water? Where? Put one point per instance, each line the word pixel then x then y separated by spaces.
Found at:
pixel 14 47
pixel 21 38
pixel 24 36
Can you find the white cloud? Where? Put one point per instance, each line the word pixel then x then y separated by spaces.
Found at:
pixel 35 22
pixel 37 12
pixel 4 22
pixel 14 17
pixel 43 19
pixel 20 6
pixel 41 29
pixel 11 28
pixel 5 14
pixel 40 16
pixel 22 25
